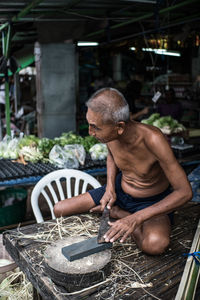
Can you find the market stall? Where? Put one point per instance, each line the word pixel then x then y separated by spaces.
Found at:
pixel 25 160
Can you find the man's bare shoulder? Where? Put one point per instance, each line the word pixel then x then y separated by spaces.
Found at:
pixel 157 143
pixel 152 136
pixel 148 131
pixel 146 128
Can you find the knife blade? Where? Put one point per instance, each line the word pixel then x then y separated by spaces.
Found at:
pixel 104 226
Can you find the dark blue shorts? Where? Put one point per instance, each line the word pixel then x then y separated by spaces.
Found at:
pixel 126 201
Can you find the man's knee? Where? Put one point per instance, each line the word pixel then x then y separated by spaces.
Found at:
pixel 155 244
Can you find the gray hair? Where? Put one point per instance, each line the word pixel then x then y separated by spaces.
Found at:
pixel 111 104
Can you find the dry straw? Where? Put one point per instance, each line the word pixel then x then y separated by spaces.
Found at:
pixel 123 279
pixel 16 287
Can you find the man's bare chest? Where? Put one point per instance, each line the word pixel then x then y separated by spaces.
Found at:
pixel 137 160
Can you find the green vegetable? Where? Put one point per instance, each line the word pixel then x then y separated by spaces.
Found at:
pixel 167 124
pixel 45 145
pixel 154 117
pixel 28 140
pixel 70 138
pixel 88 142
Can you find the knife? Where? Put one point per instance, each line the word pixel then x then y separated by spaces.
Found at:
pixel 104 226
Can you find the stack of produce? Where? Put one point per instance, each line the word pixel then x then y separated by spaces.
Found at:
pixel 167 124
pixel 69 150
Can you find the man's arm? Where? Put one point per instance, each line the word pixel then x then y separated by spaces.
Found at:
pixel 110 196
pixel 175 174
pixel 140 113
pixel 181 190
pixel 111 172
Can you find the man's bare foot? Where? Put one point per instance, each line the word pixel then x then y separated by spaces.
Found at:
pixel 117 213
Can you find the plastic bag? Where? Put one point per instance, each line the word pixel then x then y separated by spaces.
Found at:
pixel 78 151
pixel 63 158
pixel 3 146
pixel 13 148
pixel 9 146
pixel 98 151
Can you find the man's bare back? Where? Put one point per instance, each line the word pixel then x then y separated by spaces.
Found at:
pixel 142 175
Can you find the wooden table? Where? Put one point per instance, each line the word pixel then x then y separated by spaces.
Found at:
pixel 161 275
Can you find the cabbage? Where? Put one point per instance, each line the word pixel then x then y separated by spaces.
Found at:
pixel 98 151
pixel 166 124
pixel 154 117
pixel 146 121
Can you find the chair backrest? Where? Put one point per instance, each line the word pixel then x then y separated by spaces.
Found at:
pixel 59 185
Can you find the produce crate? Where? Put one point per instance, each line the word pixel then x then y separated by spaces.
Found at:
pixel 12 206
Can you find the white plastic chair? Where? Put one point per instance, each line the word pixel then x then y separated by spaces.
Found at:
pixel 74 181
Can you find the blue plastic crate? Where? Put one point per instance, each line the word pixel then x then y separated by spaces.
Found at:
pixel 194 179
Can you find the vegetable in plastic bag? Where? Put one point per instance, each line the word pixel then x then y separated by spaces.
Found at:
pixel 78 151
pixel 98 151
pixel 13 148
pixel 63 158
pixel 9 146
pixel 3 146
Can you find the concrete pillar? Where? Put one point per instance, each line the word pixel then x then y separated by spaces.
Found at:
pixel 55 84
pixel 117 65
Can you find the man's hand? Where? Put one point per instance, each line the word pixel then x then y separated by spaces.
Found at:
pixel 108 200
pixel 121 229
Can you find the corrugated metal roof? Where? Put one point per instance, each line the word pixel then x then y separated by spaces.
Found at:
pixel 105 21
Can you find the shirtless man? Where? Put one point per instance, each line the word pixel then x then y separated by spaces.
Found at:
pixel 145 183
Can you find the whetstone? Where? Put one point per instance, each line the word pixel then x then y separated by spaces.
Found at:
pixel 84 248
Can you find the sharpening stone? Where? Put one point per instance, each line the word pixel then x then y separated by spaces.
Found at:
pixel 84 248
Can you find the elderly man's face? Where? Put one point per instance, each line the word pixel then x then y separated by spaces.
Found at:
pixel 103 132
